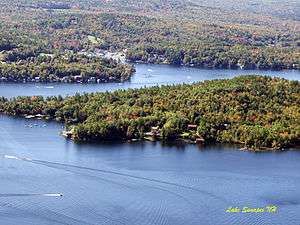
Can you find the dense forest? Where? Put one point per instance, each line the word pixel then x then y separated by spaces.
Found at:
pixel 255 111
pixel 22 67
pixel 217 34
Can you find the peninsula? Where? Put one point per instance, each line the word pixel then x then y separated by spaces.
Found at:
pixel 260 113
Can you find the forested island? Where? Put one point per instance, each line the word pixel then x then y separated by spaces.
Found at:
pixel 260 113
pixel 198 33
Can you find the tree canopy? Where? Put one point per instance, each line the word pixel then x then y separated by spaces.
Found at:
pixel 214 34
pixel 258 112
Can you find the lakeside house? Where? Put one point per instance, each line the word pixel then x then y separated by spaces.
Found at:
pixel 67 134
pixel 155 132
pixel 192 127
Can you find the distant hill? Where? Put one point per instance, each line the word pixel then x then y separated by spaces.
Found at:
pixel 215 34
pixel 286 9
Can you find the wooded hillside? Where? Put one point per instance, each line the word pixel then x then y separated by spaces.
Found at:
pixel 217 34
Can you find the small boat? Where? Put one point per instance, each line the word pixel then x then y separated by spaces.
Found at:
pixel 53 195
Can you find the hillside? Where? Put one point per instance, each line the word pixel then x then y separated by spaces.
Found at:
pixel 250 34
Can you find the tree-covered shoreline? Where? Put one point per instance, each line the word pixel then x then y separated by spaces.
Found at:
pixel 260 113
pixel 67 68
pixel 217 57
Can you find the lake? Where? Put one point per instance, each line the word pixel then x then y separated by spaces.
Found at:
pixel 139 183
pixel 146 75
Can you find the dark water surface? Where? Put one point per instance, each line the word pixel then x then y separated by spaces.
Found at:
pixel 139 183
pixel 146 75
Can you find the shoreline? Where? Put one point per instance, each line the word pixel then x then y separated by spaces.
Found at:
pixel 63 82
pixel 68 135
pixel 237 67
pixel 93 80
pixel 197 117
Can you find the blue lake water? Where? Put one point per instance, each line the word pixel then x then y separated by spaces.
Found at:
pixel 139 183
pixel 146 75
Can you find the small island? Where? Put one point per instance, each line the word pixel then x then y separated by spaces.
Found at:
pixel 257 112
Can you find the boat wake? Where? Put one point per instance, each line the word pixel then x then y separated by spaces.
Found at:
pixel 16 158
pixel 46 87
pixel 67 167
pixel 29 195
